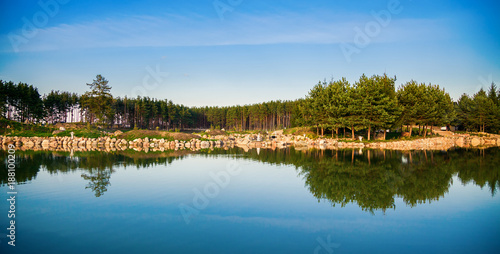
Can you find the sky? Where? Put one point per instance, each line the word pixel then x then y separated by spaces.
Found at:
pixel 236 52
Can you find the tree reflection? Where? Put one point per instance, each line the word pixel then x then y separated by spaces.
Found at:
pixel 372 179
pixel 98 181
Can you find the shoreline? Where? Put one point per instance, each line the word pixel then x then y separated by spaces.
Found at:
pixel 244 141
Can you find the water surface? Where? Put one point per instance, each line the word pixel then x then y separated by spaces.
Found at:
pixel 229 201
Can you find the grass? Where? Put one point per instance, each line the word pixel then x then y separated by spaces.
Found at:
pixel 310 132
pixel 23 130
pixel 169 136
pixel 29 134
pixel 472 133
pixel 31 130
pixel 81 133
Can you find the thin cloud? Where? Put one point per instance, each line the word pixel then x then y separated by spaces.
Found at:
pixel 174 30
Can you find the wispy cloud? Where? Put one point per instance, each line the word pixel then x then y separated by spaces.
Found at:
pixel 174 30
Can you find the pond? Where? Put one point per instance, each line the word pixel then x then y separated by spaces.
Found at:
pixel 260 201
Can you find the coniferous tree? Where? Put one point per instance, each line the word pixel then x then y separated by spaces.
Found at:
pixel 336 107
pixel 98 101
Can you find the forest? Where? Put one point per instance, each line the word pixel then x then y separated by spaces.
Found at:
pixel 334 107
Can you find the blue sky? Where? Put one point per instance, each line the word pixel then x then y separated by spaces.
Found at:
pixel 197 54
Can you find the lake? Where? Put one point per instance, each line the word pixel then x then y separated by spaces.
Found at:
pixel 262 201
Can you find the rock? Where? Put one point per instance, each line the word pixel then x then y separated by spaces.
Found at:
pixel 205 144
pixel 277 133
pixel 475 142
pixel 300 143
pixel 29 144
pixel 82 144
pixel 490 141
pixel 116 133
pixel 62 128
pixel 56 132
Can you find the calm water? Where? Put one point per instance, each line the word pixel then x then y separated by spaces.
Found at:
pixel 283 201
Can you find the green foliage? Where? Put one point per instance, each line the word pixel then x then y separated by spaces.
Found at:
pixel 98 101
pixel 425 105
pixel 23 130
pixel 370 103
pixel 20 102
pixel 479 113
pixel 335 107
pixel 58 104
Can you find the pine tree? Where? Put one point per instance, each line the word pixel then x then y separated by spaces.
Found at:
pixel 98 101
pixel 336 108
pixel 376 102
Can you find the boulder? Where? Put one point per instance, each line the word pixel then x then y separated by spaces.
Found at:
pixel 300 143
pixel 205 144
pixel 29 144
pixel 475 142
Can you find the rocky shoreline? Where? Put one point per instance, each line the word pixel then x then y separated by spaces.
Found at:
pixel 245 141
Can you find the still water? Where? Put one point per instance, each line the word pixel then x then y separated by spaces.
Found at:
pixel 229 201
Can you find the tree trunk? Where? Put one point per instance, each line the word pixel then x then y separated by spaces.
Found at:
pixel 352 130
pixel 369 132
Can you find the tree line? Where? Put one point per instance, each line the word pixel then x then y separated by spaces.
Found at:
pixel 373 103
pixel 370 104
